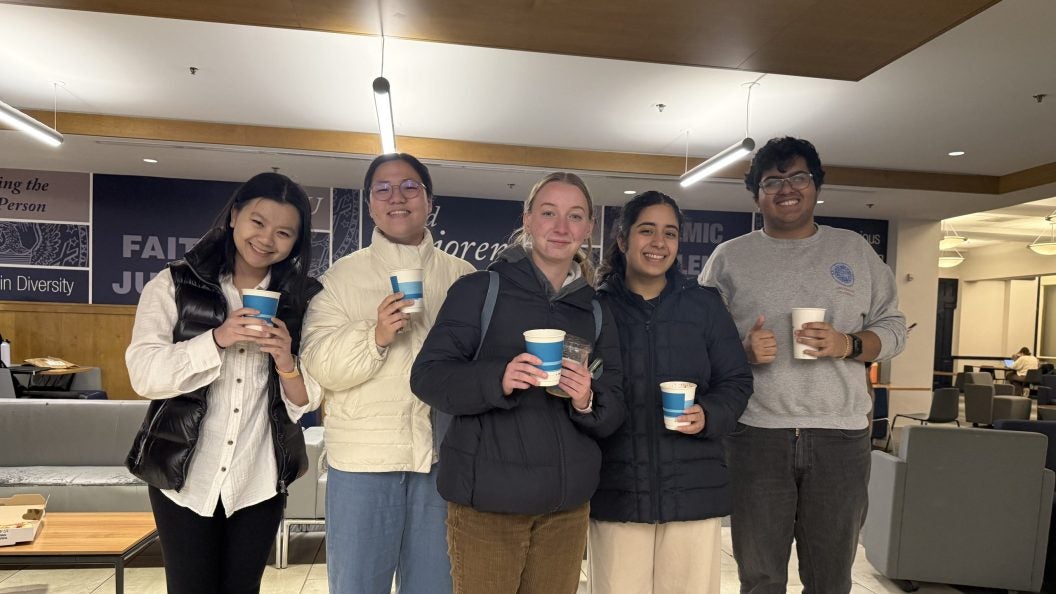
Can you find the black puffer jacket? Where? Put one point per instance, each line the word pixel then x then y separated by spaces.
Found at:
pixel 530 452
pixel 649 473
pixel 162 450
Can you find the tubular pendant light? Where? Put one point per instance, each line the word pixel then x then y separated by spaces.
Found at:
pixel 383 105
pixel 727 156
pixel 14 118
pixel 717 162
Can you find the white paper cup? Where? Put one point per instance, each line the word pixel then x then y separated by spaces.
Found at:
pixel 266 302
pixel 409 282
pixel 675 398
pixel 547 344
pixel 800 316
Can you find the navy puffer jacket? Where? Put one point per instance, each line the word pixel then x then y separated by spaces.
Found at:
pixel 649 473
pixel 530 452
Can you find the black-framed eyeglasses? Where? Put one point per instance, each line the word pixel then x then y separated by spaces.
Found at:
pixel 409 189
pixel 773 185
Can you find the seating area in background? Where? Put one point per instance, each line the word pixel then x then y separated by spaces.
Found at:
pixel 306 503
pixel 965 506
pixel 945 408
pixel 24 381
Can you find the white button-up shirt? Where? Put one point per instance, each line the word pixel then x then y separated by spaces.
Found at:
pixel 234 460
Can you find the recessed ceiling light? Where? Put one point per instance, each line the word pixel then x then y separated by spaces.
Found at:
pixel 821 202
pixel 955 153
pixel 629 192
pixel 148 160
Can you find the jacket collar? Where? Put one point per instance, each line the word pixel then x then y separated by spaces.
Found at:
pixel 396 255
pixel 515 263
pixel 616 285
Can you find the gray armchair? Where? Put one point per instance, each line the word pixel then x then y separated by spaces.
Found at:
pixel 968 507
pixel 983 407
pixel 306 501
pixel 978 377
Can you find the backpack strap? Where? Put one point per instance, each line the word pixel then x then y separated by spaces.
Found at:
pixel 597 319
pixel 489 308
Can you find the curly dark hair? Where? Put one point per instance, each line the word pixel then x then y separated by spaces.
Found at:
pixel 780 152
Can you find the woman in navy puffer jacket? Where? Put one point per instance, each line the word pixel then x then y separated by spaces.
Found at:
pixel 655 516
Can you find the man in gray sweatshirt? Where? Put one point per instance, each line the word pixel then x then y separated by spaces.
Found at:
pixel 799 459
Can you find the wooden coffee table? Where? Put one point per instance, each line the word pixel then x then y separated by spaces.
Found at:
pixel 86 539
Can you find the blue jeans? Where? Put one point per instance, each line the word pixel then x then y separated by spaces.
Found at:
pixel 812 487
pixel 381 523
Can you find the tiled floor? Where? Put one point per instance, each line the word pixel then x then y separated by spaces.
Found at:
pixel 307 574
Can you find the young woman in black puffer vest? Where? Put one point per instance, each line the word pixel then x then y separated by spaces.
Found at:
pixel 220 443
pixel 655 518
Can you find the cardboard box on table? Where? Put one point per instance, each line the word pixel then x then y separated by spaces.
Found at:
pixel 21 517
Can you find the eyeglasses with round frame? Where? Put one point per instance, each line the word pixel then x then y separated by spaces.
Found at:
pixel 773 185
pixel 409 189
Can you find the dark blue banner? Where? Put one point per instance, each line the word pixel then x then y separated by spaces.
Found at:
pixel 43 284
pixel 474 229
pixel 873 230
pixel 702 230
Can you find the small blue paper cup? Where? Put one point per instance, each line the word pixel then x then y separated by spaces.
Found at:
pixel 409 282
pixel 266 302
pixel 676 397
pixel 547 344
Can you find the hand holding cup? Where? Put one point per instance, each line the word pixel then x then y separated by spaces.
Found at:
pixel 240 324
pixel 390 319
pixel 522 372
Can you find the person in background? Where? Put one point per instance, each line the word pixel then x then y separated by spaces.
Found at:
pixel 1022 362
pixel 220 443
pixel 799 458
pixel 383 514
pixel 655 519
pixel 519 465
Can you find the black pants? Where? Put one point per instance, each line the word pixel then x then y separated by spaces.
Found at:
pixel 218 555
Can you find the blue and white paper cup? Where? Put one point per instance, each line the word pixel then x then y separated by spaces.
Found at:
pixel 266 302
pixel 676 398
pixel 409 282
pixel 547 345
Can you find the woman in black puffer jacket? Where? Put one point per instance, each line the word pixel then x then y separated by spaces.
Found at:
pixel 518 465
pixel 663 491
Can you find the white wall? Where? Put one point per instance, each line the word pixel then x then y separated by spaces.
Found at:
pixel 983 311
pixel 916 249
pixel 1003 261
pixel 1022 307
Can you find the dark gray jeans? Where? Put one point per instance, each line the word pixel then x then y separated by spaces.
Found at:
pixel 812 487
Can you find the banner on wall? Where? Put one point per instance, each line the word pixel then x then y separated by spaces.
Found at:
pixel 44 254
pixel 702 230
pixel 474 229
pixel 142 223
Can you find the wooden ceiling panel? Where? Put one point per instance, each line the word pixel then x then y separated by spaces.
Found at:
pixel 838 39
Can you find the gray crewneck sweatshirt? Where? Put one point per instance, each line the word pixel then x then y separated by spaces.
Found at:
pixel 835 269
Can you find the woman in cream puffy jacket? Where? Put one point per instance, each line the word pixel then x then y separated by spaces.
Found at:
pixel 381 441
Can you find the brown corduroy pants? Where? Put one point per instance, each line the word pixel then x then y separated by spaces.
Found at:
pixel 516 554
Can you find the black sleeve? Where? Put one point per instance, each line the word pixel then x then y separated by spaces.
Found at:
pixel 610 410
pixel 444 374
pixel 731 375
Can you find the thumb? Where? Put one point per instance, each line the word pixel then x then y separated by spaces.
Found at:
pixel 759 323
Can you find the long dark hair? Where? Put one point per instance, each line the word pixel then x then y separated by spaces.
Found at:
pixel 615 262
pixel 290 275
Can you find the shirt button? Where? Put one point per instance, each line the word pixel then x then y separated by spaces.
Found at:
pixel 229 442
pixel 241 350
pixel 238 381
pixel 236 410
pixel 223 469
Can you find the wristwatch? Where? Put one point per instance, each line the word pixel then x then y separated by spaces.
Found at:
pixel 856 346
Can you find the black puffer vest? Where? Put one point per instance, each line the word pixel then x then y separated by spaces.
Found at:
pixel 163 448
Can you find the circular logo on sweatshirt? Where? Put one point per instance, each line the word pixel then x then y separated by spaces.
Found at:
pixel 843 274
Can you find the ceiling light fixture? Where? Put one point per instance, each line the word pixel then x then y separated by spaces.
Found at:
pixel 950 238
pixel 727 156
pixel 955 153
pixel 1046 248
pixel 630 192
pixel 950 261
pixel 149 160
pixel 383 97
pixel 18 120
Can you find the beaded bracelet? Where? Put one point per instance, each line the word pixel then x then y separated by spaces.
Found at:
pixel 847 341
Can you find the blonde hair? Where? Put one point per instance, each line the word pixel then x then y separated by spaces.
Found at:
pixel 522 238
